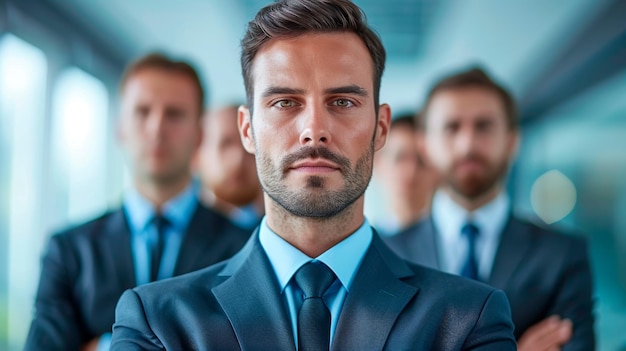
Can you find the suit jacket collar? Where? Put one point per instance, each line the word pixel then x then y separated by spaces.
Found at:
pixel 514 245
pixel 252 301
pixel 426 244
pixel 196 243
pixel 198 239
pixel 117 246
pixel 377 294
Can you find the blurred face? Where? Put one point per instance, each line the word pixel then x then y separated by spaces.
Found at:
pixel 468 140
pixel 314 129
pixel 399 163
pixel 159 125
pixel 226 167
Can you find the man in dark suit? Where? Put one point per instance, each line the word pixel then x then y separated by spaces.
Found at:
pixel 161 229
pixel 314 275
pixel 470 136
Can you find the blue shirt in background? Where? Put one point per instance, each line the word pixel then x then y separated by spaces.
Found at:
pixel 140 214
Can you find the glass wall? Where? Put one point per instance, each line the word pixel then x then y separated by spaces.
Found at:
pixel 79 140
pixel 57 167
pixel 22 110
pixel 571 171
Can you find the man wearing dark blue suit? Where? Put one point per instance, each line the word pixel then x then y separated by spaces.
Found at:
pixel 470 136
pixel 161 230
pixel 315 275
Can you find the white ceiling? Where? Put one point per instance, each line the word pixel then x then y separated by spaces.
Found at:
pixel 513 39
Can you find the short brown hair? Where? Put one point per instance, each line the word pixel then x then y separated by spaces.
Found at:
pixel 160 61
pixel 290 18
pixel 474 77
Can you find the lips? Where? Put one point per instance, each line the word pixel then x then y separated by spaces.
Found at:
pixel 315 166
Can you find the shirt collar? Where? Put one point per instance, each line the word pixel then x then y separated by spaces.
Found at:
pixel 343 258
pixel 449 217
pixel 178 210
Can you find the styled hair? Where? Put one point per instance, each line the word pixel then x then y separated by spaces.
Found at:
pixel 292 18
pixel 474 77
pixel 162 62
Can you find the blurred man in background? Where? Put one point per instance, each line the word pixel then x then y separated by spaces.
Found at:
pixel 471 137
pixel 406 182
pixel 160 231
pixel 227 171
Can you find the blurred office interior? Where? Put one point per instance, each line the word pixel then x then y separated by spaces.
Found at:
pixel 61 60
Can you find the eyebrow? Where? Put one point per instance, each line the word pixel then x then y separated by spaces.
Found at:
pixel 281 91
pixel 350 89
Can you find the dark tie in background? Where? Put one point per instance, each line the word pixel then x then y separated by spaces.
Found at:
pixel 161 224
pixel 470 268
pixel 314 278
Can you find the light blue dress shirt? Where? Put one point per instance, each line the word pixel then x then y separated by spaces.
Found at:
pixel 343 259
pixel 245 217
pixel 449 217
pixel 140 214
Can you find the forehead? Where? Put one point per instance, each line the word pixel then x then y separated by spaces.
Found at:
pixel 160 84
pixel 466 103
pixel 325 59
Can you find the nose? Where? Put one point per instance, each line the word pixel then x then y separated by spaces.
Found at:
pixel 315 128
pixel 156 124
pixel 465 141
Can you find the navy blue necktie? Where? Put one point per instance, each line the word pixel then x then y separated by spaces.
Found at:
pixel 161 224
pixel 470 268
pixel 314 278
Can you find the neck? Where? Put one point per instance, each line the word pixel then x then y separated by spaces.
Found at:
pixel 158 193
pixel 474 203
pixel 313 236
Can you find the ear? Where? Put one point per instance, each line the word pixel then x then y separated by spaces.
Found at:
pixel 382 126
pixel 244 123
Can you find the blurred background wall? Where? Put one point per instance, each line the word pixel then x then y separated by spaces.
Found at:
pixel 61 60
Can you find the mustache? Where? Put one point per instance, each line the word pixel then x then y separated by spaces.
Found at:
pixel 315 152
pixel 471 158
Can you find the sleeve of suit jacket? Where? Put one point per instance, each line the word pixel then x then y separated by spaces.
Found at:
pixel 574 298
pixel 131 330
pixel 56 323
pixel 493 330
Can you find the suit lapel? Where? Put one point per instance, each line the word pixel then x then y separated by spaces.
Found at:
pixel 375 300
pixel 117 246
pixel 513 246
pixel 252 300
pixel 426 245
pixel 197 241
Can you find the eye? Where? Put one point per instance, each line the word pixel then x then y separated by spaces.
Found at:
pixel 343 103
pixel 484 126
pixel 283 104
pixel 451 127
pixel 142 111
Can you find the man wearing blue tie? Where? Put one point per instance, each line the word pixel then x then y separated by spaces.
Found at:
pixel 160 231
pixel 314 275
pixel 470 137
